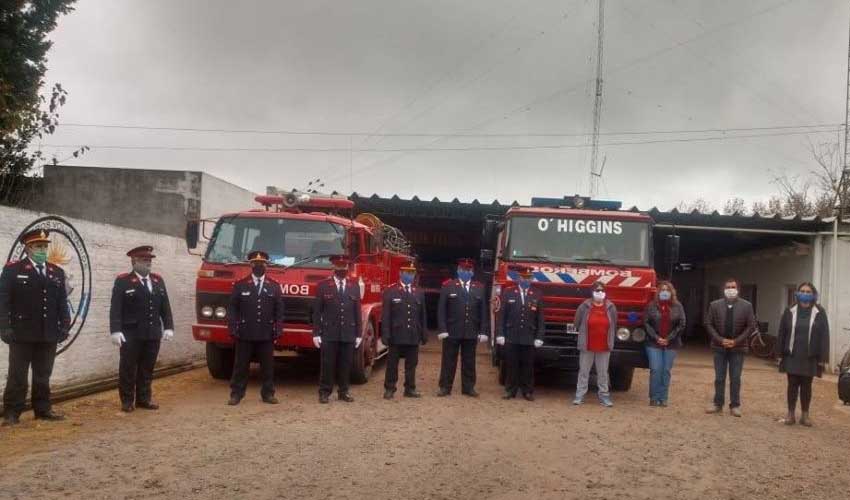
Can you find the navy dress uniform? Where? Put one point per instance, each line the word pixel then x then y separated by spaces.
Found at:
pixel 519 329
pixel 34 318
pixel 463 317
pixel 139 316
pixel 255 321
pixel 403 329
pixel 337 329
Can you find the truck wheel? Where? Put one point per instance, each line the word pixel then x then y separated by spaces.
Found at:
pixel 621 378
pixel 219 361
pixel 503 372
pixel 361 369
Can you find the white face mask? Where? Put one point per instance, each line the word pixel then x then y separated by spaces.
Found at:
pixel 731 293
pixel 599 296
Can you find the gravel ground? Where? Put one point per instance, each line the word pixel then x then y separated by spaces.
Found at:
pixel 452 448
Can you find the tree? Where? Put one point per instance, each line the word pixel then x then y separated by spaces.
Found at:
pixel 700 205
pixel 24 26
pixel 735 206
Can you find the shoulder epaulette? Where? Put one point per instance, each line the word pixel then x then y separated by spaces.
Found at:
pixel 448 281
pixel 123 275
pixel 12 263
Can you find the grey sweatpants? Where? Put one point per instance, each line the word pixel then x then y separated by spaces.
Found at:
pixel 586 360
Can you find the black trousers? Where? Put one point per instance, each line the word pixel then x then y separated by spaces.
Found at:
pixel 336 366
pixel 245 350
pixel 451 347
pixel 520 368
pixel 410 353
pixel 802 385
pixel 21 355
pixel 135 370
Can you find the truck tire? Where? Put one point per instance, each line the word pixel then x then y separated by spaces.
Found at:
pixel 621 378
pixel 361 369
pixel 503 372
pixel 219 361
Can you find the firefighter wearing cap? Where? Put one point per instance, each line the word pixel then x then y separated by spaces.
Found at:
pixel 337 329
pixel 255 318
pixel 139 317
pixel 519 329
pixel 403 330
pixel 34 318
pixel 463 316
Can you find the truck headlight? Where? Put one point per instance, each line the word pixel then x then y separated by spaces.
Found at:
pixel 207 312
pixel 220 312
pixel 623 334
pixel 639 335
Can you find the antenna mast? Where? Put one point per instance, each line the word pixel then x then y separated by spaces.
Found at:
pixel 597 104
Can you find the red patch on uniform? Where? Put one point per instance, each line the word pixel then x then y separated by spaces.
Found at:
pixel 28 267
pixel 11 263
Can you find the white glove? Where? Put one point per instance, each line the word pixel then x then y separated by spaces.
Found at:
pixel 443 335
pixel 167 335
pixel 118 338
pixel 500 340
pixel 482 338
pixel 357 342
pixel 317 341
pixel 538 343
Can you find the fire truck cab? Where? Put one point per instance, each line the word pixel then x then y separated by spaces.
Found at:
pixel 571 244
pixel 299 231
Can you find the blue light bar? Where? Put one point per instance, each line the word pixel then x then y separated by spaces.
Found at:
pixel 581 202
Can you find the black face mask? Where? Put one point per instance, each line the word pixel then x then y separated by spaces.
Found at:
pixel 341 273
pixel 258 270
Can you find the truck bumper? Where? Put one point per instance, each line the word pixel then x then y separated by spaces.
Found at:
pixel 294 338
pixel 566 358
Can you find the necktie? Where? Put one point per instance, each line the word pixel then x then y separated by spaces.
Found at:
pixel 40 270
pixel 259 285
pixel 145 282
pixel 339 285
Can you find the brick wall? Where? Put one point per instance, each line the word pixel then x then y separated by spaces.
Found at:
pixel 92 356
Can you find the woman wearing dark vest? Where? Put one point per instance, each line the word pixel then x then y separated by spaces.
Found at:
pixel 664 321
pixel 803 346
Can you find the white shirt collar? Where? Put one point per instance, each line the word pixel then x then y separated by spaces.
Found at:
pixel 259 280
pixel 43 266
pixel 148 277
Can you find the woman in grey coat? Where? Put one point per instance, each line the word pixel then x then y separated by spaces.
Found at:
pixel 596 322
pixel 803 346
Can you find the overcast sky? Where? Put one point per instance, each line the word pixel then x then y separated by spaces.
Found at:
pixel 505 71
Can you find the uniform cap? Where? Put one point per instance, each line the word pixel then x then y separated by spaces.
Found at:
pixel 466 263
pixel 36 236
pixel 258 256
pixel 142 252
pixel 340 261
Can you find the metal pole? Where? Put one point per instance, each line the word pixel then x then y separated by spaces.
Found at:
pixel 597 103
pixel 845 174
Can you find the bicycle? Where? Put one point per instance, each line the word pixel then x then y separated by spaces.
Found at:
pixel 761 344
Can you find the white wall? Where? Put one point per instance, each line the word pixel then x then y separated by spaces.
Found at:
pixel 839 308
pixel 92 356
pixel 771 270
pixel 219 196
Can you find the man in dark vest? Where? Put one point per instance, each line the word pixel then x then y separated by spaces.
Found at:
pixel 519 330
pixel 403 330
pixel 139 317
pixel 463 317
pixel 256 321
pixel 34 318
pixel 337 329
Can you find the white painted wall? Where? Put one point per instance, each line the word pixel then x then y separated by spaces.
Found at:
pixel 836 299
pixel 92 356
pixel 219 196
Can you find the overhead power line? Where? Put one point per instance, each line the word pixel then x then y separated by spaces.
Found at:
pixel 439 134
pixel 425 149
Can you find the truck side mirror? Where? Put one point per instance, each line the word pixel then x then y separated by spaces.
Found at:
pixel 486 258
pixel 193 230
pixel 489 233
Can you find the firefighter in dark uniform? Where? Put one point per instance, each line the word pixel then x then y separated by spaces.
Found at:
pixel 403 330
pixel 34 318
pixel 463 316
pixel 337 329
pixel 139 317
pixel 255 321
pixel 519 330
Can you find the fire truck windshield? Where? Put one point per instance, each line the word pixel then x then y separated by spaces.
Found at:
pixel 601 241
pixel 287 241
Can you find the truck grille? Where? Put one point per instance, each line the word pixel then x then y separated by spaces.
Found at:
pixel 298 310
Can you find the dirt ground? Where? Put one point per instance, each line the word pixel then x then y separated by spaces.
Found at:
pixel 452 448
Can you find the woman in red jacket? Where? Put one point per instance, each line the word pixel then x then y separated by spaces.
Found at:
pixel 596 321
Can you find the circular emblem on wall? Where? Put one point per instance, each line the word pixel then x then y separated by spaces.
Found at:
pixel 68 251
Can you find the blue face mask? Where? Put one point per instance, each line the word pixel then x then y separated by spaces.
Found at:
pixel 664 295
pixel 524 284
pixel 407 278
pixel 464 274
pixel 805 297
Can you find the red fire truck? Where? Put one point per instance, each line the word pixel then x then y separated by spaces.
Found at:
pixel 570 244
pixel 299 231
